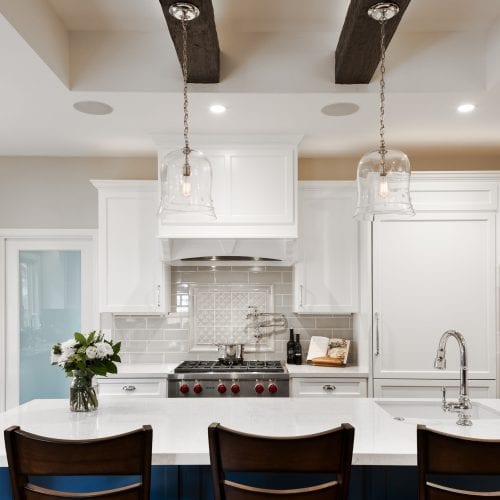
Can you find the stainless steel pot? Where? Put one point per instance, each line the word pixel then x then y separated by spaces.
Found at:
pixel 231 352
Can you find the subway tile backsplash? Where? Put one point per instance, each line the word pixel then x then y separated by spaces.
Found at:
pixel 167 339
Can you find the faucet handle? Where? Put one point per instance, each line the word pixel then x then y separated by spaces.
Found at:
pixel 443 397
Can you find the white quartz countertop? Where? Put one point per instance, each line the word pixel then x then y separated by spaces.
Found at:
pixel 180 425
pixel 327 371
pixel 161 370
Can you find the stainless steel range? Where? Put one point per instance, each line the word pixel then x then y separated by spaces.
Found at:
pixel 208 379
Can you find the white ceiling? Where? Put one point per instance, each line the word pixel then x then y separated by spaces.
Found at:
pixel 277 74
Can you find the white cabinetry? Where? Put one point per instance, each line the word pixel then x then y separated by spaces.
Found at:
pixel 326 273
pixel 328 387
pixel 398 388
pixel 131 274
pixel 254 191
pixel 130 387
pixel 431 273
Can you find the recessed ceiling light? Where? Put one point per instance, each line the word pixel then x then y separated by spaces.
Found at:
pixel 218 109
pixel 340 109
pixel 466 108
pixel 93 107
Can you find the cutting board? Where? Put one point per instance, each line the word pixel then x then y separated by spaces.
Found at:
pixel 327 361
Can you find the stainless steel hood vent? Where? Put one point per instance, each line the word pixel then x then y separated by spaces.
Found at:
pixel 277 250
pixel 222 258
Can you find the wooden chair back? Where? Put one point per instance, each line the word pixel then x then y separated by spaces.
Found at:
pixel 328 452
pixel 445 454
pixel 30 455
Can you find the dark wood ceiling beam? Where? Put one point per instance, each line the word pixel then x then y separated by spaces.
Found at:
pixel 358 50
pixel 203 44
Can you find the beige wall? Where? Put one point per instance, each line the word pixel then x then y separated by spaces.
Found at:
pixel 45 192
pixel 339 168
pixel 55 192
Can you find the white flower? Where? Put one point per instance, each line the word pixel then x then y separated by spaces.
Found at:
pixel 103 350
pixel 54 358
pixel 68 345
pixel 91 352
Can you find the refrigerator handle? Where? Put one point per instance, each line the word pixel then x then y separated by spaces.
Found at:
pixel 377 334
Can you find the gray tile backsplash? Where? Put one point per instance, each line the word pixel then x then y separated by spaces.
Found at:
pixel 165 339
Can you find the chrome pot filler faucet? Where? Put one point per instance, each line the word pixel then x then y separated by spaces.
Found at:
pixel 463 405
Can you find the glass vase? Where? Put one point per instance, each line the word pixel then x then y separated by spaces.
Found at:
pixel 82 394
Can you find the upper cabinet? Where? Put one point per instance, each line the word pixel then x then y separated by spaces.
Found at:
pixel 254 189
pixel 326 273
pixel 132 278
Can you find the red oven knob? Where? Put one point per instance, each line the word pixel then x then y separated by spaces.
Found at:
pixel 221 388
pixel 259 388
pixel 272 388
pixel 197 388
pixel 235 388
pixel 184 388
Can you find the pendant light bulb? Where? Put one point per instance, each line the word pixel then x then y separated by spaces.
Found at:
pixel 383 187
pixel 186 185
pixel 383 175
pixel 185 174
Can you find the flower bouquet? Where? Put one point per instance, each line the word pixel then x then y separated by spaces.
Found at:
pixel 82 357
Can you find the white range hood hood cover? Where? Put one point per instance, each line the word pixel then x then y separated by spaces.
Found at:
pixel 227 249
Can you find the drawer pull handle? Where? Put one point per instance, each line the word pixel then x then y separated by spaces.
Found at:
pixel 129 388
pixel 329 388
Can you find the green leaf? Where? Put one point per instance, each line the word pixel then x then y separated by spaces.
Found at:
pixel 90 338
pixel 98 369
pixel 116 347
pixel 80 338
pixel 111 367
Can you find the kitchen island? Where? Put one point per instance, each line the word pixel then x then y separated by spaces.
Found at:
pixel 384 448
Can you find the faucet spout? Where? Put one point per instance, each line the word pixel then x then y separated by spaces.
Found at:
pixel 440 363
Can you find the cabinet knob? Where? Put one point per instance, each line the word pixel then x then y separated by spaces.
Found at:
pixel 329 388
pixel 129 388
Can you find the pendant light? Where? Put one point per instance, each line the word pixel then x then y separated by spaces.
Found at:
pixel 384 174
pixel 185 174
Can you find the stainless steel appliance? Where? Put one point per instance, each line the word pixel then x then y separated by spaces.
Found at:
pixel 208 379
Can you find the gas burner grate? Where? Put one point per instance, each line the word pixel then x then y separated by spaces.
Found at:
pixel 221 367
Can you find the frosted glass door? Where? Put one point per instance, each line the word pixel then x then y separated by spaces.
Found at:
pixel 49 311
pixel 47 295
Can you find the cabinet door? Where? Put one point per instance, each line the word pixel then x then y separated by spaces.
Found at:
pixel 131 274
pixel 49 295
pixel 254 196
pixel 387 388
pixel 329 387
pixel 326 274
pixel 433 273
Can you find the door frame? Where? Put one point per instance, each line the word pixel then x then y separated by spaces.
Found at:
pixel 34 235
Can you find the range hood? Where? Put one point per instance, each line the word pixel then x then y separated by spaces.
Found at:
pixel 279 251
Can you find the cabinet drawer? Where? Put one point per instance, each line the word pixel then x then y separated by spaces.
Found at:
pixel 127 387
pixel 328 387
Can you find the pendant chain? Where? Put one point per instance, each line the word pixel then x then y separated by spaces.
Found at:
pixel 186 150
pixel 382 149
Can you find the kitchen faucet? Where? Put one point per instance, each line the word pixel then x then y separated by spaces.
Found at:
pixel 463 405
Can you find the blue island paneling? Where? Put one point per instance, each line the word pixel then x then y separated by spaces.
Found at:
pixel 192 482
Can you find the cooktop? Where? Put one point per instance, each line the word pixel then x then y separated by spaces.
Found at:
pixel 229 366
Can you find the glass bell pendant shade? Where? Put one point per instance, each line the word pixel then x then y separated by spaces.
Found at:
pixel 383 190
pixel 186 191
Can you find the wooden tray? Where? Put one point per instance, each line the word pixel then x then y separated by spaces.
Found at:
pixel 327 361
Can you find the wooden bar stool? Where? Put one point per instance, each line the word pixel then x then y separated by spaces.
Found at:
pixel 444 454
pixel 326 453
pixel 125 454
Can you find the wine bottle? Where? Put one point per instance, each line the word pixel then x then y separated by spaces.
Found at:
pixel 298 350
pixel 290 349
